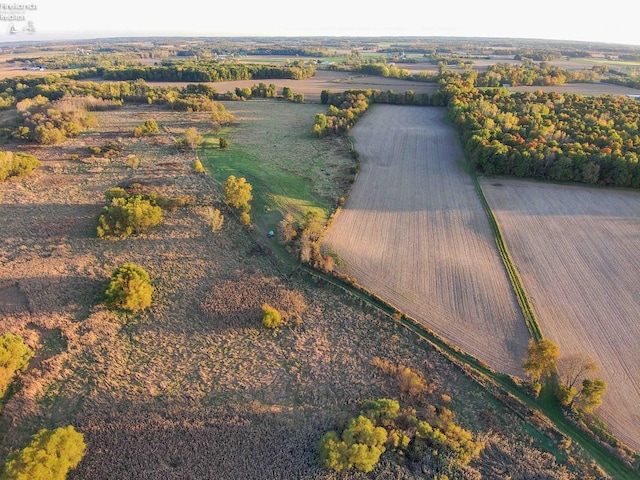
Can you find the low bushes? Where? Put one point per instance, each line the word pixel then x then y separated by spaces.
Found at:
pixel 128 215
pixel 14 357
pixel 150 127
pixel 271 317
pixel 382 425
pixel 49 456
pixel 16 165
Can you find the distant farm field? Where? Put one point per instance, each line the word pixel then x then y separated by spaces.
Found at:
pixel 578 252
pixel 324 80
pixel 414 232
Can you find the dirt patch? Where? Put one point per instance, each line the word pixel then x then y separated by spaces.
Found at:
pixel 237 302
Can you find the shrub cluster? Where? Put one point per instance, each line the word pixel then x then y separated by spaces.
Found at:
pixel 149 127
pixel 128 215
pixel 49 123
pixel 16 165
pixel 304 236
pixel 382 425
pixel 129 288
pixel 14 357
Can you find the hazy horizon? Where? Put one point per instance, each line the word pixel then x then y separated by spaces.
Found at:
pixel 69 20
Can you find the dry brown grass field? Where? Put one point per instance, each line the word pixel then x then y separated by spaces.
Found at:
pixel 414 232
pixel 578 252
pixel 196 387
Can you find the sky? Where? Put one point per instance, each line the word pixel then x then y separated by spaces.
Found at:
pixel 611 22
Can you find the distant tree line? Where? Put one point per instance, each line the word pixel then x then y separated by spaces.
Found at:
pixel 75 61
pixel 302 51
pixel 53 108
pixel 209 71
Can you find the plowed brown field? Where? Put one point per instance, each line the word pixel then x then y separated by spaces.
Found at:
pixel 578 252
pixel 414 232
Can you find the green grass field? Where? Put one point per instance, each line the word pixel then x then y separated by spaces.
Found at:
pixel 267 147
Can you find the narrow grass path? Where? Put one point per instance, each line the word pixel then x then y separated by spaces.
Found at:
pixel 512 271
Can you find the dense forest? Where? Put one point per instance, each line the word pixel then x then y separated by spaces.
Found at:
pixel 552 136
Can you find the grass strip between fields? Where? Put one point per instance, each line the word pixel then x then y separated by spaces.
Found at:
pixel 512 272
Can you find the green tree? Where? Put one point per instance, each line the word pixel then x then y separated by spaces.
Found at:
pixel 541 359
pixel 237 193
pixel 149 127
pixel 128 216
pixel 14 357
pixel 590 397
pixel 129 288
pixel 360 447
pixel 320 124
pixel 49 456
pixel 271 317
pixel 287 93
pixel 115 192
pixel 381 410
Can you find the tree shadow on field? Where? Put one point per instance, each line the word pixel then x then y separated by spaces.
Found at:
pixel 47 222
pixel 51 294
pixel 149 441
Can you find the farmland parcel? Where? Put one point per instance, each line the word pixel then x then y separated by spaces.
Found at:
pixel 414 232
pixel 578 251
pixel 195 386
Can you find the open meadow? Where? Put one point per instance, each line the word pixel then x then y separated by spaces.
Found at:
pixel 414 232
pixel 578 252
pixel 290 170
pixel 196 387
